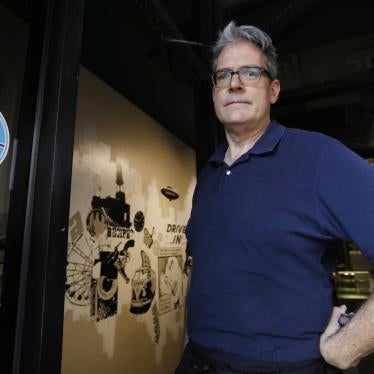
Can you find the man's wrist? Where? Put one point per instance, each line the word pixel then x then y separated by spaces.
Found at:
pixel 336 353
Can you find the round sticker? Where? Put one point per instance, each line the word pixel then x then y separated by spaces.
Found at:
pixel 4 138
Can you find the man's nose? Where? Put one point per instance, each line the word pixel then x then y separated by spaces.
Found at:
pixel 235 81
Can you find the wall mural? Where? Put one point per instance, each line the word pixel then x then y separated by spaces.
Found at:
pixel 102 246
pixel 127 267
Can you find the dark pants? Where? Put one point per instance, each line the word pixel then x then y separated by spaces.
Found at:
pixel 197 359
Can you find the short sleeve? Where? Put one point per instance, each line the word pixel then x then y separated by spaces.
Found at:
pixel 345 203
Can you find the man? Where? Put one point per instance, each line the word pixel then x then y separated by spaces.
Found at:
pixel 267 212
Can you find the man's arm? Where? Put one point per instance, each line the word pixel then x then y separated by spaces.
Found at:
pixel 345 347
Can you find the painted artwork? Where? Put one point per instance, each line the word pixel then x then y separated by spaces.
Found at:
pixel 127 267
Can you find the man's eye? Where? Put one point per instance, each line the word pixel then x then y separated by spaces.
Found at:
pixel 249 73
pixel 222 75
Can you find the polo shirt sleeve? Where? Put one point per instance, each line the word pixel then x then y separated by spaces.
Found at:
pixel 345 197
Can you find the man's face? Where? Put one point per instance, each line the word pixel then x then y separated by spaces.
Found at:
pixel 240 104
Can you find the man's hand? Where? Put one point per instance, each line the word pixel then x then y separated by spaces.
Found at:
pixel 335 346
pixel 333 326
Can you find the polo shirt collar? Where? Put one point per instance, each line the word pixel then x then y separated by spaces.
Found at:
pixel 267 143
pixel 269 139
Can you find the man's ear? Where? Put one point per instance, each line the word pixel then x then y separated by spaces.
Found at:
pixel 274 91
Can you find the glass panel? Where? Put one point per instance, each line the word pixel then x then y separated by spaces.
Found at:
pixel 13 40
pixel 131 192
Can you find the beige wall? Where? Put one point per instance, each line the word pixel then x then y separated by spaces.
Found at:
pixel 106 328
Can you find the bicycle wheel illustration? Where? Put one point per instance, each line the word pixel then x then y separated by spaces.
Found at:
pixel 79 269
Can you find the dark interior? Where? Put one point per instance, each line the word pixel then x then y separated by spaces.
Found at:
pixel 157 53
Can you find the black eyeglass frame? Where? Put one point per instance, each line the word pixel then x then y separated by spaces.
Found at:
pixel 263 71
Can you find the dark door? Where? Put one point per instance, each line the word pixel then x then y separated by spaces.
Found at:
pixel 40 50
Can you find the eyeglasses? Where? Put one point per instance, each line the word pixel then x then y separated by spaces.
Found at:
pixel 246 74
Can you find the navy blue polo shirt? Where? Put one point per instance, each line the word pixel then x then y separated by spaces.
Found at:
pixel 263 236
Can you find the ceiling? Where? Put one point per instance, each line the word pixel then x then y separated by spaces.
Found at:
pixel 157 54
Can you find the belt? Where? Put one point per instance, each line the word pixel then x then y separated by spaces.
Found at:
pixel 211 361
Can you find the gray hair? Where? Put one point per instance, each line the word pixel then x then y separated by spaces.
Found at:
pixel 232 33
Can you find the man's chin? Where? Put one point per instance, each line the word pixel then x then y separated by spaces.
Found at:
pixel 236 121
